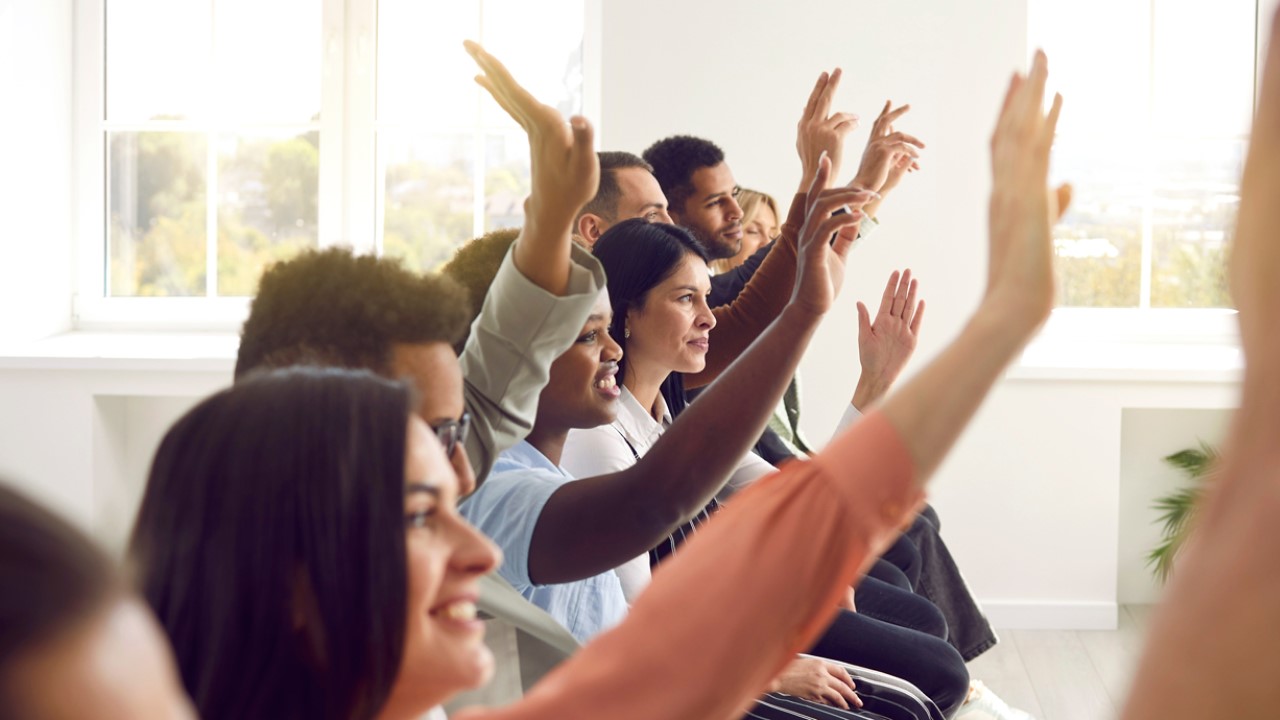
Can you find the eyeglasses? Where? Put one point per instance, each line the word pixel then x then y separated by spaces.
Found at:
pixel 453 433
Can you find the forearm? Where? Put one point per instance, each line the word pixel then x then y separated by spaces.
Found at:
pixel 931 410
pixel 542 251
pixel 595 524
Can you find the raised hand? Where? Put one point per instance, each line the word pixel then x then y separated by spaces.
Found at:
pixel 565 170
pixel 1022 208
pixel 888 155
pixel 820 259
pixel 885 344
pixel 819 681
pixel 821 131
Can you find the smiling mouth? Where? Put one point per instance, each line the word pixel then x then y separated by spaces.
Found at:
pixel 701 343
pixel 460 610
pixel 608 385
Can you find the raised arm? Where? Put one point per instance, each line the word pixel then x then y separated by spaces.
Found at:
pixel 597 523
pixel 1218 625
pixel 565 173
pixel 842 508
pixel 544 291
pixel 819 133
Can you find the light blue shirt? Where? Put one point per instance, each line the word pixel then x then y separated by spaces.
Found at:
pixel 506 508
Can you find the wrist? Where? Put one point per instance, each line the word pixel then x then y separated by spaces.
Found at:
pixel 800 315
pixel 869 390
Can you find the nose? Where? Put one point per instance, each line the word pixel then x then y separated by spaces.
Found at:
pixel 610 350
pixel 474 553
pixel 706 319
pixel 462 467
pixel 735 210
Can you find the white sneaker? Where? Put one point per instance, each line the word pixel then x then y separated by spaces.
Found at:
pixel 986 705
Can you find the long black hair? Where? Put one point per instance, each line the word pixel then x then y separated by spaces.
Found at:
pixel 637 255
pixel 51 577
pixel 270 544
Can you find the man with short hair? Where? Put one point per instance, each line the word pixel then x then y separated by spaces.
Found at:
pixel 627 190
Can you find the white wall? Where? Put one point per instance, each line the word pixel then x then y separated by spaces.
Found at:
pixel 1030 499
pixel 35 175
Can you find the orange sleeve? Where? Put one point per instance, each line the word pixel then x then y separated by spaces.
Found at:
pixel 759 583
pixel 744 319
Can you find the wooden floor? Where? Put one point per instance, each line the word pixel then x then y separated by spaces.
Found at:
pixel 1066 674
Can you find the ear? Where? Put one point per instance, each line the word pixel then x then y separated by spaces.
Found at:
pixel 590 228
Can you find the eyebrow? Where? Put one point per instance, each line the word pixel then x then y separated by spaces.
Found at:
pixel 431 490
pixel 597 317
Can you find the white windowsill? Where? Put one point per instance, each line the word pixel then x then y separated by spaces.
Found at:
pixel 1128 362
pixel 155 351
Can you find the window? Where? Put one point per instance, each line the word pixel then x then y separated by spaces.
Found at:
pixel 218 136
pixel 1159 98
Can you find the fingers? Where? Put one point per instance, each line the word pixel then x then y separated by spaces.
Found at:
pixel 905 139
pixel 819 182
pixel 811 106
pixel 915 321
pixel 885 122
pixel 513 98
pixel 843 685
pixel 831 695
pixel 1062 196
pixel 823 107
pixel 890 290
pixel 846 237
pixel 900 296
pixel 835 224
pixel 844 122
pixel 909 303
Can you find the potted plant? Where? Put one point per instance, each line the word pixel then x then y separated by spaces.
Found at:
pixel 1178 508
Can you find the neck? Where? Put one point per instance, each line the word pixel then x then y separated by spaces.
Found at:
pixel 644 384
pixel 549 439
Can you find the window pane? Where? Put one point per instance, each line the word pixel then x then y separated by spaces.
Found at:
pixel 1104 90
pixel 547 62
pixel 157 54
pixel 268 60
pixel 1194 213
pixel 423 72
pixel 506 181
pixel 156 203
pixel 1204 55
pixel 1098 243
pixel 267 196
pixel 429 197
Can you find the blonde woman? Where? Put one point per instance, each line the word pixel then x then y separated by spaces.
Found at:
pixel 760 225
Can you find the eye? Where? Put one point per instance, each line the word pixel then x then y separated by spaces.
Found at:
pixel 687 297
pixel 652 217
pixel 589 337
pixel 420 519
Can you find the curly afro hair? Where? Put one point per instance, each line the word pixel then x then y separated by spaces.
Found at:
pixel 332 307
pixel 675 160
pixel 476 263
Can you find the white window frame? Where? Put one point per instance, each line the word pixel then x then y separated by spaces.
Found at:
pixel 1148 325
pixel 348 201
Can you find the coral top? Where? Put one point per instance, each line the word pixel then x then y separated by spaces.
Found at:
pixel 780 558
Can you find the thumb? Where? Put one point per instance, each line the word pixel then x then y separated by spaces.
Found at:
pixel 1062 194
pixel 864 319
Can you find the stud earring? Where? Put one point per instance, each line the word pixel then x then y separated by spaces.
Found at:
pixel 626 333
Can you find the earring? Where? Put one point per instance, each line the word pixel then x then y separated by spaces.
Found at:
pixel 626 333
